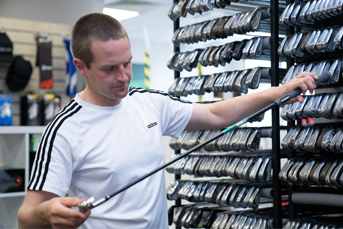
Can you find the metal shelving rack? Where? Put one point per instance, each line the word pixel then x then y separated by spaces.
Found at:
pixel 275 79
pixel 176 76
pixel 274 29
pixel 290 189
pixel 293 208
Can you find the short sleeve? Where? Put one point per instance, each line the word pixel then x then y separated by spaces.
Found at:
pixel 174 113
pixel 52 168
pixel 176 117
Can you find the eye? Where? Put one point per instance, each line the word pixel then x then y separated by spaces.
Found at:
pixel 108 69
pixel 127 63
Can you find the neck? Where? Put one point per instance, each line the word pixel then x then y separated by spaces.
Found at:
pixel 89 97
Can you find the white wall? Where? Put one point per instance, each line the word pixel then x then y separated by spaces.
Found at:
pixel 59 11
pixel 161 77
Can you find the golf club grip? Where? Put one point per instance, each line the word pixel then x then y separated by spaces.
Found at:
pixel 322 78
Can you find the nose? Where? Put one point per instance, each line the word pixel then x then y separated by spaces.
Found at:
pixel 121 74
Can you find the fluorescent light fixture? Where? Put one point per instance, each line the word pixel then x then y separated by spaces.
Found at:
pixel 120 15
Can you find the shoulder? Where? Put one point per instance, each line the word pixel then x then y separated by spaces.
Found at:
pixel 141 93
pixel 66 118
pixel 71 110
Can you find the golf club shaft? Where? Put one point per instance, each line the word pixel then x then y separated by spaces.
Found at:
pixel 324 77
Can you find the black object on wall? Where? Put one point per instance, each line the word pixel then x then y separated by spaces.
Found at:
pixel 18 74
pixel 37 109
pixel 44 61
pixel 6 48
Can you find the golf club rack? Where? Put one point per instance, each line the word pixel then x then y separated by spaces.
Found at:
pixel 313 171
pixel 232 182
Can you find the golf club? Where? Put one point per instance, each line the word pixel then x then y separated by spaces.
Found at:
pixel 91 203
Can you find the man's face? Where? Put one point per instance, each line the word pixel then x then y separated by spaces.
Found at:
pixel 110 72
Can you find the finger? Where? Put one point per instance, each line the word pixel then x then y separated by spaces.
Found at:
pixel 309 79
pixel 312 84
pixel 293 100
pixel 87 213
pixel 67 212
pixel 69 219
pixel 63 223
pixel 309 74
pixel 303 87
pixel 71 201
pixel 81 200
pixel 313 76
pixel 308 84
pixel 300 99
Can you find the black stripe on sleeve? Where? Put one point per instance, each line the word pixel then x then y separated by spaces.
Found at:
pixel 133 90
pixel 43 139
pixel 51 144
pixel 40 157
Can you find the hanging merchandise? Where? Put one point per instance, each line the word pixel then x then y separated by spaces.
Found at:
pixel 6 48
pixel 18 74
pixel 71 73
pixel 29 110
pixel 5 109
pixel 38 109
pixel 50 105
pixel 44 61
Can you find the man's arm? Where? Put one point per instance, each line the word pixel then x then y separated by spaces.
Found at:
pixel 46 210
pixel 225 113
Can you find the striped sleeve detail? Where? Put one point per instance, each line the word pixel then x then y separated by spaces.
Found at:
pixel 43 155
pixel 133 90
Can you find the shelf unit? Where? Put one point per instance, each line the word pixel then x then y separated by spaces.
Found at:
pixel 295 210
pixel 275 7
pixel 14 153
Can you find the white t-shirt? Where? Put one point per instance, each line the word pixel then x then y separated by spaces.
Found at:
pixel 89 150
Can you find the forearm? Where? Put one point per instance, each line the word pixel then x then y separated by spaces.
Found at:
pixel 225 113
pixel 32 216
pixel 228 112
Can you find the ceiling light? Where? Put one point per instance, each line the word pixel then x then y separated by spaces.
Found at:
pixel 120 15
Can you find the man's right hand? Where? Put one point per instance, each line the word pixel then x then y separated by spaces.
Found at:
pixel 59 213
pixel 45 210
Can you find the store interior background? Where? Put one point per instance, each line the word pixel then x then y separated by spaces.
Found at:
pixel 157 36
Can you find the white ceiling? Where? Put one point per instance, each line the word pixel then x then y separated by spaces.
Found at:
pixel 153 14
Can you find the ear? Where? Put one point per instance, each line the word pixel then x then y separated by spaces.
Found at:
pixel 80 66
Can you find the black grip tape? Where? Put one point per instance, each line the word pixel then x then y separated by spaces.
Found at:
pixel 323 77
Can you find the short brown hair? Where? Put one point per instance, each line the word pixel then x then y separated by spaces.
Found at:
pixel 91 27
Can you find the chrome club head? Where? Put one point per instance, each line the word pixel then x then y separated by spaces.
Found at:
pixel 85 205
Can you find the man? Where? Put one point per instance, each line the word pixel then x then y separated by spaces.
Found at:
pixel 102 140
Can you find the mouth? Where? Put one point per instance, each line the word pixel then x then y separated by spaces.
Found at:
pixel 121 86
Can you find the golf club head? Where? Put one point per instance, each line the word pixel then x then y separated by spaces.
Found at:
pixel 85 205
